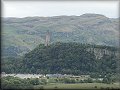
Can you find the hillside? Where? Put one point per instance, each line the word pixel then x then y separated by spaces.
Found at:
pixel 65 58
pixel 20 35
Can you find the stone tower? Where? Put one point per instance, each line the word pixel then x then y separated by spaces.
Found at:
pixel 47 39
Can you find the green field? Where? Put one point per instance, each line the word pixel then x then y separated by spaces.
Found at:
pixel 81 86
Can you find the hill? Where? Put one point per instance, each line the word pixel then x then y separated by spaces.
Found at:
pixel 21 35
pixel 66 58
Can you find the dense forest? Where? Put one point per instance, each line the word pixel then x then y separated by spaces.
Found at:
pixel 65 58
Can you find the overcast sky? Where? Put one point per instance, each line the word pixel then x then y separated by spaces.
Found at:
pixel 56 8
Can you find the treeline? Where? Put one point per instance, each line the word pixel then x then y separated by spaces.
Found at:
pixel 11 82
pixel 64 58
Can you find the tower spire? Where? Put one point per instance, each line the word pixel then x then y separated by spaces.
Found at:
pixel 47 39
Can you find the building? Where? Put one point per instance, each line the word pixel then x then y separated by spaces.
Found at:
pixel 47 39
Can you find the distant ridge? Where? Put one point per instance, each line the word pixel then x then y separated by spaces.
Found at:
pixel 20 35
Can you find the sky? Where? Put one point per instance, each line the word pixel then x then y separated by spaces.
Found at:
pixel 56 8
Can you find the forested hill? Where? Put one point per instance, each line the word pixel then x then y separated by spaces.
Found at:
pixel 68 58
pixel 21 35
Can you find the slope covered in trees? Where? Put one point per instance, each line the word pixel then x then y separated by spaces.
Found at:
pixel 67 58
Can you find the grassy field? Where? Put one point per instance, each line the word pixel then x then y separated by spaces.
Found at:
pixel 80 86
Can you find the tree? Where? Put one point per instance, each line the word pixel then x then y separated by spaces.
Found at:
pixel 34 81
